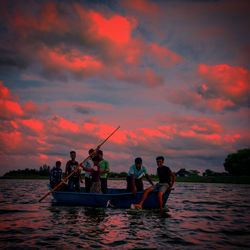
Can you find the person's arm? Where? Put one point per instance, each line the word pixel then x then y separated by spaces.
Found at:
pixel 87 169
pixel 149 179
pixel 173 178
pixel 66 168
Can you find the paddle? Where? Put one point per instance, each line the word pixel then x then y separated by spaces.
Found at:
pixel 63 181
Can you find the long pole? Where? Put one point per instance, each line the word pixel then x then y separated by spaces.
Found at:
pixel 76 169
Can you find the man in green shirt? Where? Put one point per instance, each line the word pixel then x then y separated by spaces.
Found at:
pixel 104 168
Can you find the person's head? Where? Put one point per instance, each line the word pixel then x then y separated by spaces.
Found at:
pixel 100 154
pixel 91 153
pixel 138 162
pixel 58 164
pixel 73 155
pixel 159 161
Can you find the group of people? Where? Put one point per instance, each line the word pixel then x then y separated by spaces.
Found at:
pixel 96 176
pixel 96 173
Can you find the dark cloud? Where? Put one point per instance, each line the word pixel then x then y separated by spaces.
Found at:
pixel 83 110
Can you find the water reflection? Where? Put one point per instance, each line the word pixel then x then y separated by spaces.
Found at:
pixel 201 216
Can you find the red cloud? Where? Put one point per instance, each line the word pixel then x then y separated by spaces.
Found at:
pixel 9 108
pixel 191 99
pixel 224 87
pixel 59 43
pixel 34 125
pixel 71 60
pixel 164 56
pixel 230 82
pixel 117 29
pixel 4 92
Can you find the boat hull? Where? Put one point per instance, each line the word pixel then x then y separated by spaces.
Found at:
pixel 116 198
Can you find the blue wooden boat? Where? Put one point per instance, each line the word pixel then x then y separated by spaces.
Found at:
pixel 116 198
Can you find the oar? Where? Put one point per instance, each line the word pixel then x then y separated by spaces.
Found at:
pixel 63 181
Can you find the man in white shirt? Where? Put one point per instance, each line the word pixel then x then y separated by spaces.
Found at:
pixel 135 176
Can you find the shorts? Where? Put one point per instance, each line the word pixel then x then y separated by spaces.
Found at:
pixel 161 187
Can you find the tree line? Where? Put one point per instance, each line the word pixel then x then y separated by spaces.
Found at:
pixel 235 164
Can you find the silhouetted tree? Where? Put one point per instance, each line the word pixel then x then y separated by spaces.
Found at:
pixel 238 163
pixel 182 172
pixel 194 172
pixel 208 172
pixel 44 170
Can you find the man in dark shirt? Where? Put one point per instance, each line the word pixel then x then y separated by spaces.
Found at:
pixel 74 179
pixel 56 174
pixel 166 181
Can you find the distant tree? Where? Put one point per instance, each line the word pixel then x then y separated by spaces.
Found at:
pixel 238 163
pixel 209 172
pixel 182 172
pixel 194 172
pixel 44 170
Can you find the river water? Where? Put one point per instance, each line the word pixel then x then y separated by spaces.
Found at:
pixel 201 216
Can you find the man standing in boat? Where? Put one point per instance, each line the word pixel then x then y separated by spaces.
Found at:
pixel 95 174
pixel 104 168
pixel 74 180
pixel 135 176
pixel 55 174
pixel 166 181
pixel 88 165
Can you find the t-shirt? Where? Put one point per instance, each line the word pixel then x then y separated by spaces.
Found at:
pixel 164 174
pixel 88 164
pixel 104 165
pixel 138 173
pixel 70 167
pixel 55 175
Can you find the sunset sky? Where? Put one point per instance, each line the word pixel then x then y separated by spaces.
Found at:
pixel 173 74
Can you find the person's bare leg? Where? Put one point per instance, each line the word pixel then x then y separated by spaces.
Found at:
pixel 160 195
pixel 144 197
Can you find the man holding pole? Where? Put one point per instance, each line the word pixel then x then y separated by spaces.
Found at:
pixel 78 168
pixel 74 180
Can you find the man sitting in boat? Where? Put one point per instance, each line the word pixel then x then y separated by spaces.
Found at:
pixel 166 181
pixel 135 176
pixel 55 174
pixel 74 179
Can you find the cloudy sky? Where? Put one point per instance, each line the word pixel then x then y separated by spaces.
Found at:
pixel 173 74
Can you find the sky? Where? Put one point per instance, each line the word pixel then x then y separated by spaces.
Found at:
pixel 174 75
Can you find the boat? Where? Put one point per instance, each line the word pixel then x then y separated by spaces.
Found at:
pixel 115 198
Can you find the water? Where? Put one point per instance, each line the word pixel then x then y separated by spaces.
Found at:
pixel 201 216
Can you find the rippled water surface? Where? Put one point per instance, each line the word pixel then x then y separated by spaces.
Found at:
pixel 201 216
